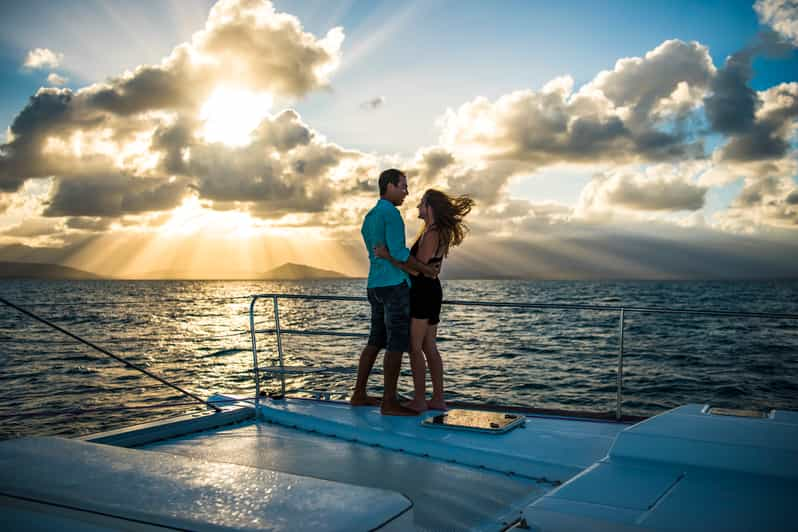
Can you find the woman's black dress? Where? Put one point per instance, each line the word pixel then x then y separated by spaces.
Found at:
pixel 425 293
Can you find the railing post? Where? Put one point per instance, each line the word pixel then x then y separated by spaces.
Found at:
pixel 619 397
pixel 279 344
pixel 254 352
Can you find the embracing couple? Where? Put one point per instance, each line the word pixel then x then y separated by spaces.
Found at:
pixel 404 292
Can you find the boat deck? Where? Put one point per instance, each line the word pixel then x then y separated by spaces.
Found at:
pixel 62 484
pixel 438 470
pixel 686 469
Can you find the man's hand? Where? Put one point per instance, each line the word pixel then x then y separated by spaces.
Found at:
pixel 382 252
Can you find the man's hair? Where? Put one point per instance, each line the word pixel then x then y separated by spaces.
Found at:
pixel 391 175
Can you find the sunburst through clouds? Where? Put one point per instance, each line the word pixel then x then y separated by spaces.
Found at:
pixel 250 141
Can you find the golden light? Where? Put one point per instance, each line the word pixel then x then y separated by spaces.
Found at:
pixel 230 115
pixel 193 238
pixel 192 219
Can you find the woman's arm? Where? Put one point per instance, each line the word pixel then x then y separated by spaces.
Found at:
pixel 429 270
pixel 412 265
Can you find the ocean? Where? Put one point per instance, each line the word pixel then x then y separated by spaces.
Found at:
pixel 195 334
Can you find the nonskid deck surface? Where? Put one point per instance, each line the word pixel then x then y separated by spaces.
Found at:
pixel 546 448
pixel 685 469
pixel 445 496
pixel 335 441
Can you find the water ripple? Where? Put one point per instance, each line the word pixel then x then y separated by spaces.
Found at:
pixel 545 358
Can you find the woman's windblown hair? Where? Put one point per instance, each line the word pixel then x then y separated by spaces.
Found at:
pixel 449 213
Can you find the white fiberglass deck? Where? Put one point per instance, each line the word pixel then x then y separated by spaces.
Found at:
pixel 446 495
pixel 61 484
pixel 682 470
pixel 686 469
pixel 544 448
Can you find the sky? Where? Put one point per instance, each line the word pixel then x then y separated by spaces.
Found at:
pixel 599 140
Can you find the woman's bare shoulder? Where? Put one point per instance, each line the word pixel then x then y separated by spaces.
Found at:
pixel 430 237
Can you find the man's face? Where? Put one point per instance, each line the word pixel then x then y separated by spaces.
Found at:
pixel 396 194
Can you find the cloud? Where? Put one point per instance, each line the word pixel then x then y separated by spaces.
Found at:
pixel 638 112
pixel 42 58
pixel 136 143
pixel 644 111
pixel 622 115
pixel 732 105
pixel 248 41
pixel 112 195
pixel 580 250
pixel 34 228
pixel 55 79
pixel 145 123
pixel 5 202
pixel 430 162
pixel 781 15
pixel 286 168
pixel 374 103
pixel 89 224
pixel 767 132
pixel 518 218
pixel 659 188
pixel 668 81
pixel 763 204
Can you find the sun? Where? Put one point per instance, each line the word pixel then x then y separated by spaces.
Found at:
pixel 230 115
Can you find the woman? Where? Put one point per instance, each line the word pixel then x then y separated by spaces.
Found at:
pixel 443 229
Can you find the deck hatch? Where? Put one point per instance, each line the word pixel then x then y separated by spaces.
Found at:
pixel 736 412
pixel 474 420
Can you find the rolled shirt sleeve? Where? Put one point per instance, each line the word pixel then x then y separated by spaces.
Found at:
pixel 383 226
pixel 395 236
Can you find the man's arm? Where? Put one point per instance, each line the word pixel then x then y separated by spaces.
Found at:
pixel 400 265
pixel 412 265
pixel 395 242
pixel 395 236
pixel 427 269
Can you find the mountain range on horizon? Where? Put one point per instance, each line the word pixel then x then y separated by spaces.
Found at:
pixel 285 272
pixel 458 270
pixel 36 270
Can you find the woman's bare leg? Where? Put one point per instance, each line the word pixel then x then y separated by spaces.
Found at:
pixel 435 363
pixel 418 329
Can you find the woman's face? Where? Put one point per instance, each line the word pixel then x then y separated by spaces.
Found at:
pixel 423 208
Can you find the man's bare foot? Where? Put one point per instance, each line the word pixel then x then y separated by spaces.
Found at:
pixel 393 408
pixel 364 400
pixel 416 406
pixel 437 405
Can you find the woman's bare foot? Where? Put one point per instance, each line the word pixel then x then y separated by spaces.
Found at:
pixel 437 405
pixel 417 406
pixel 393 408
pixel 363 400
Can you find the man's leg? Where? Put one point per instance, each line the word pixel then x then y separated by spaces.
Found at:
pixel 359 396
pixel 397 324
pixel 390 403
pixel 376 341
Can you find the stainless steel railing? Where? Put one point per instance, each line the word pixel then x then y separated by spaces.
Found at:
pixel 281 370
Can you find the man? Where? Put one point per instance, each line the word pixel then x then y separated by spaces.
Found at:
pixel 388 292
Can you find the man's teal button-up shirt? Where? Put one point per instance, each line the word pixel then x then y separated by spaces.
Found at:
pixel 383 225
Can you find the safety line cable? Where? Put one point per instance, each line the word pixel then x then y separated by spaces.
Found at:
pixel 108 353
